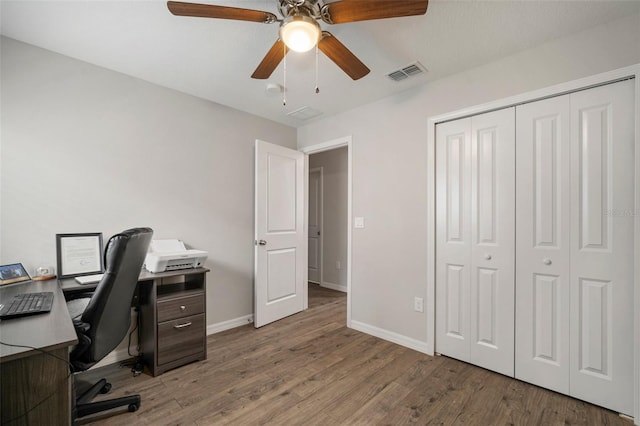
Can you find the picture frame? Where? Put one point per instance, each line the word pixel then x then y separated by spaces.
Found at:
pixel 13 273
pixel 79 254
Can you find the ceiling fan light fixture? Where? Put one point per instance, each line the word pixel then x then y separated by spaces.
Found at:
pixel 300 33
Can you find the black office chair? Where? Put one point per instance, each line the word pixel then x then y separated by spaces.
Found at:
pixel 103 319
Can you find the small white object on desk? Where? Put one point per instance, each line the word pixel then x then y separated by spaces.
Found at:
pixel 89 279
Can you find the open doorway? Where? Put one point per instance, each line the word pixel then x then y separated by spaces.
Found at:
pixel 329 212
pixel 328 219
pixel 316 213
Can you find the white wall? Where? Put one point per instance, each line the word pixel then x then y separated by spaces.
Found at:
pixel 389 163
pixel 85 149
pixel 334 190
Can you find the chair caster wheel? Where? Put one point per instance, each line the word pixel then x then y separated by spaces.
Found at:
pixel 133 407
pixel 106 388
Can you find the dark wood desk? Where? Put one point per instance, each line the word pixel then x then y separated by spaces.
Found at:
pixel 173 326
pixel 70 285
pixel 36 383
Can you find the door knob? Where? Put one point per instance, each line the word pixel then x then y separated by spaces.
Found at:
pixel 546 261
pixel 262 242
pixel 487 256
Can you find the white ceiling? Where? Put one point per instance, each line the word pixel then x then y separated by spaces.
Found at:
pixel 213 58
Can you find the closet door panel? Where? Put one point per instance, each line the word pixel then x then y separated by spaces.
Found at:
pixel 543 243
pixel 602 184
pixel 492 240
pixel 453 238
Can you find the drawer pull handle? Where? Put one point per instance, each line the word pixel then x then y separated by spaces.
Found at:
pixel 182 307
pixel 179 326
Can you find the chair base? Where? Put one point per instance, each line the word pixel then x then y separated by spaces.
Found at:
pixel 85 407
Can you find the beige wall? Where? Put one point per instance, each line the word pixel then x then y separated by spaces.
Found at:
pixel 85 149
pixel 389 142
pixel 335 222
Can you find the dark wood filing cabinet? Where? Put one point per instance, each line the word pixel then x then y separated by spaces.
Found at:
pixel 173 326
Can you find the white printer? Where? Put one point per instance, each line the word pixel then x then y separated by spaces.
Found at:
pixel 171 255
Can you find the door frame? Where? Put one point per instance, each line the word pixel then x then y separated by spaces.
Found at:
pixel 551 91
pixel 327 146
pixel 321 242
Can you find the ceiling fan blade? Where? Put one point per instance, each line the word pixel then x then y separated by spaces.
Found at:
pixel 221 12
pixel 338 53
pixel 363 10
pixel 271 60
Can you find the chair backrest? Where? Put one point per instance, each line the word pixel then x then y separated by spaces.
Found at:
pixel 108 313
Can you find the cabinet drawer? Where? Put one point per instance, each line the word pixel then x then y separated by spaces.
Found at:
pixel 180 338
pixel 180 307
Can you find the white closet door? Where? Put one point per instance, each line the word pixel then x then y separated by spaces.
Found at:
pixel 493 240
pixel 453 237
pixel 543 243
pixel 602 256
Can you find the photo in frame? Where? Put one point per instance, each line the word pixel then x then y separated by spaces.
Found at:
pixel 13 273
pixel 79 254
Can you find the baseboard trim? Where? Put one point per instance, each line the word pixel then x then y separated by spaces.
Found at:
pixel 332 286
pixel 122 354
pixel 113 357
pixel 229 324
pixel 401 340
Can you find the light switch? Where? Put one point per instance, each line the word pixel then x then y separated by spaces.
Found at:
pixel 358 222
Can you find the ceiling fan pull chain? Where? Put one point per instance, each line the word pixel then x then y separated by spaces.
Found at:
pixel 317 88
pixel 284 78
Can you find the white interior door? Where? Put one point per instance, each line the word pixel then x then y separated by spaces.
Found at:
pixel 543 208
pixel 280 281
pixel 602 254
pixel 475 188
pixel 315 225
pixel 576 204
pixel 493 240
pixel 453 238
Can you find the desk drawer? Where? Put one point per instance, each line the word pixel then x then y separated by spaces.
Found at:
pixel 180 307
pixel 180 338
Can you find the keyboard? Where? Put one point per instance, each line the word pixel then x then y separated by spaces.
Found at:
pixel 27 304
pixel 89 279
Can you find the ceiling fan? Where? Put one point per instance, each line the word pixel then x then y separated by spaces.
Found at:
pixel 299 28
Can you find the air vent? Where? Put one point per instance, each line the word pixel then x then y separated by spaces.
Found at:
pixel 304 113
pixel 409 71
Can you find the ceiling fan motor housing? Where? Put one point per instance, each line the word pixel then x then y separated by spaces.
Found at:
pixel 311 8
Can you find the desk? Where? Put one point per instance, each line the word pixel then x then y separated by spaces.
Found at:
pixel 172 316
pixel 172 333
pixel 30 377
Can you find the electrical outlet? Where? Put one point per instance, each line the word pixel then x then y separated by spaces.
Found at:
pixel 418 304
pixel 338 265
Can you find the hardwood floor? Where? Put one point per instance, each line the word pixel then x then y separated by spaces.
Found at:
pixel 310 369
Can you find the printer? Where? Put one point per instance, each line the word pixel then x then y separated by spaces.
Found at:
pixel 172 255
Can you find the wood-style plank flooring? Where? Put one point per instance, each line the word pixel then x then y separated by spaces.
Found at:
pixel 310 369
